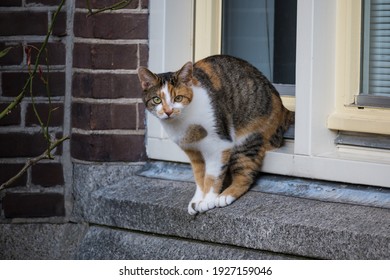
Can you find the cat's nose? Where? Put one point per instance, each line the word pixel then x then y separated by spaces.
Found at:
pixel 169 113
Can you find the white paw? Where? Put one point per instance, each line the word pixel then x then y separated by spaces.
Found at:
pixel 202 205
pixel 191 208
pixel 224 200
pixel 206 205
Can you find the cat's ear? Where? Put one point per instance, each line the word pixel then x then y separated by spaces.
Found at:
pixel 185 74
pixel 147 78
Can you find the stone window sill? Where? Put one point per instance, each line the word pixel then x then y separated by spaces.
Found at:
pixel 275 225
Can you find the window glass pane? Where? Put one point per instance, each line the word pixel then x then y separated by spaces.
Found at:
pixel 376 47
pixel 264 33
pixel 375 59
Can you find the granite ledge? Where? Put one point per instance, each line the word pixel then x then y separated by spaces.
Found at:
pixel 259 221
pixel 116 244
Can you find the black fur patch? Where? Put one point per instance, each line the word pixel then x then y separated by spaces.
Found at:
pixel 250 149
pixel 244 95
pixel 276 139
pixel 168 77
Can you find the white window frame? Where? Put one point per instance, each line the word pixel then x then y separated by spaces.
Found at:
pixel 348 116
pixel 320 71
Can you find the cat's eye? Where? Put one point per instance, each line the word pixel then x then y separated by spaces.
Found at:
pixel 156 100
pixel 179 98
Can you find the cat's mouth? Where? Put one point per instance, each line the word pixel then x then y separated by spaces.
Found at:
pixel 169 115
pixel 166 117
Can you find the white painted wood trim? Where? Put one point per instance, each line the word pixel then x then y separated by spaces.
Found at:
pixel 313 153
pixel 170 46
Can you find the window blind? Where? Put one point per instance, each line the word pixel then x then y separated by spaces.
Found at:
pixel 376 61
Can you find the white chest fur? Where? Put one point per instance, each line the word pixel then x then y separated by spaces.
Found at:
pixel 198 113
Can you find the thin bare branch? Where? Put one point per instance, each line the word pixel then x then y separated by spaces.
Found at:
pixel 116 6
pixel 5 51
pixel 45 155
pixel 26 86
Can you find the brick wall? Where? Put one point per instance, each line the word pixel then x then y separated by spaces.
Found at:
pixel 93 84
pixel 108 114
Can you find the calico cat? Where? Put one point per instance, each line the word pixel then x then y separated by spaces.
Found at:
pixel 225 115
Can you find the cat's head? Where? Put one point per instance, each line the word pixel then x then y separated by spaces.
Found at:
pixel 167 95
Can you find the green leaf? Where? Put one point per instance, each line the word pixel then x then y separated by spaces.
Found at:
pixel 5 51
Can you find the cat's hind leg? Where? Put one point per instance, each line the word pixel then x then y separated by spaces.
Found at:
pixel 239 186
pixel 244 166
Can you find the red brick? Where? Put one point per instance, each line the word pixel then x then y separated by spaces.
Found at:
pixel 56 117
pixel 104 116
pixel 99 4
pixel 59 28
pixel 144 55
pixel 21 145
pixel 53 55
pixel 144 4
pixel 108 148
pixel 47 174
pixel 11 3
pixel 44 2
pixel 10 170
pixel 141 116
pixel 106 85
pixel 13 118
pixel 105 56
pixel 23 23
pixel 122 26
pixel 14 56
pixel 58 151
pixel 13 83
pixel 33 205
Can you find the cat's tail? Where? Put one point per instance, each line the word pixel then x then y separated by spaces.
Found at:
pixel 277 138
pixel 289 118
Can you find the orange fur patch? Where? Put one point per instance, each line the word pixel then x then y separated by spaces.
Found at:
pixel 183 91
pixel 198 166
pixel 208 69
pixel 173 92
pixel 210 182
pixel 226 156
pixel 239 186
pixel 266 125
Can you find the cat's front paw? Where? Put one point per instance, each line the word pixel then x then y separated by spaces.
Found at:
pixel 224 200
pixel 200 206
pixel 191 209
